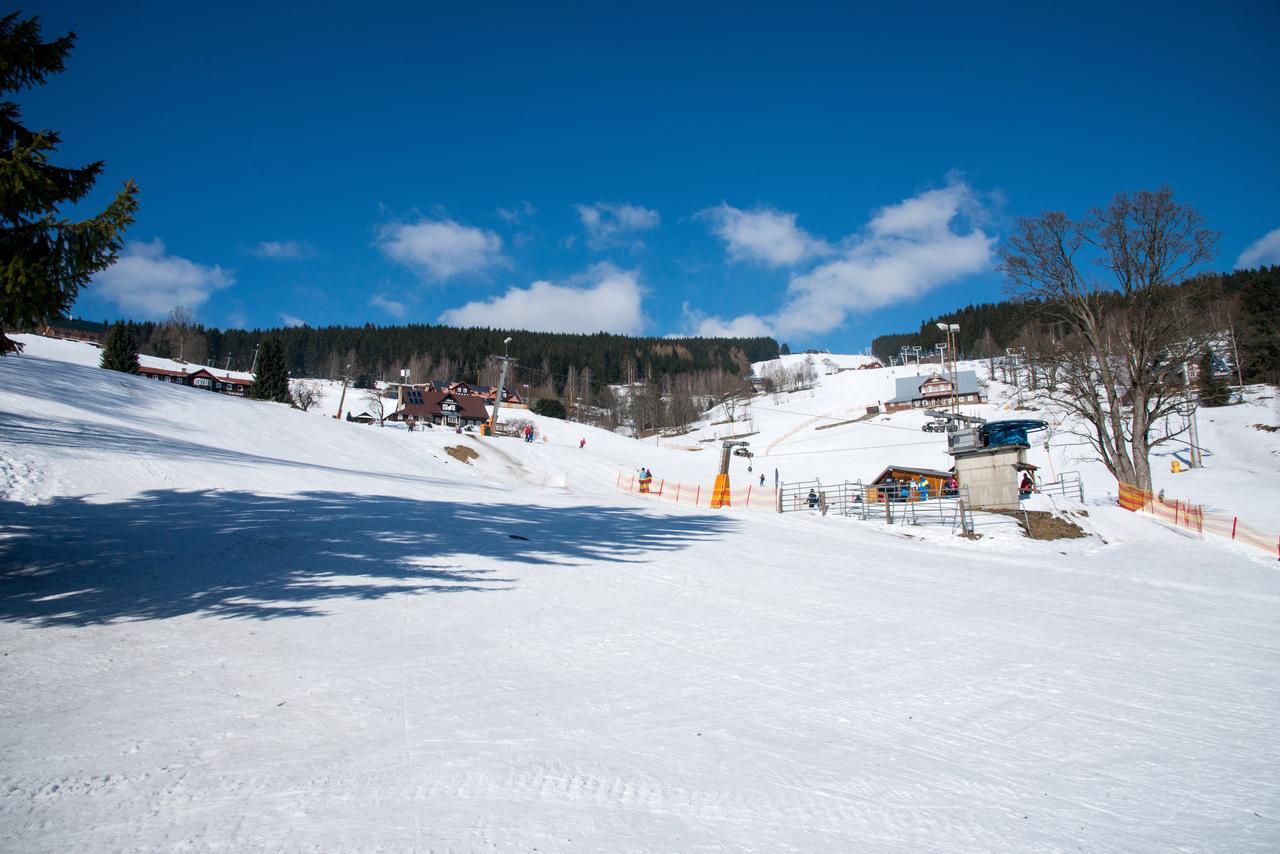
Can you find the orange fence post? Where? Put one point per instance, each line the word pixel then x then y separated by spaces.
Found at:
pixel 1234 520
pixel 748 501
pixel 660 485
pixel 618 485
pixel 697 495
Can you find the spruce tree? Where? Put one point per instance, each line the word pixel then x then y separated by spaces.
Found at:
pixel 44 258
pixel 120 350
pixel 271 381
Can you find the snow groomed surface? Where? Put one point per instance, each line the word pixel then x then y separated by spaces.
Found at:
pixel 232 626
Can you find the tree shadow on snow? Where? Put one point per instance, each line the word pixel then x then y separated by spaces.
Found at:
pixel 240 555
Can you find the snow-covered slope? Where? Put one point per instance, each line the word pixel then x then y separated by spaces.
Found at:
pixel 230 625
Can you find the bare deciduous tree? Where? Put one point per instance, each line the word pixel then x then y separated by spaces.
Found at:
pixel 304 394
pixel 1127 330
pixel 377 405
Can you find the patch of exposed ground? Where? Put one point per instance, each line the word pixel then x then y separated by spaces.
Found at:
pixel 1043 525
pixel 462 453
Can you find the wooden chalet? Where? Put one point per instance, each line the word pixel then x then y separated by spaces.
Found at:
pixel 936 389
pixel 210 379
pixel 510 397
pixel 888 483
pixel 441 407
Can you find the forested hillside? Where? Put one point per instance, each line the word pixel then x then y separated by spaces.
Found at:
pixel 1245 304
pixel 546 363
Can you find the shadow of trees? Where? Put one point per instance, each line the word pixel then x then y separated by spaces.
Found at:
pixel 241 555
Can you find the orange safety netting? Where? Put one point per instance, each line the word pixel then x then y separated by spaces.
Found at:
pixel 1193 517
pixel 696 495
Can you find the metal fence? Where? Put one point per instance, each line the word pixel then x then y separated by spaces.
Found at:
pixel 854 499
pixel 1068 485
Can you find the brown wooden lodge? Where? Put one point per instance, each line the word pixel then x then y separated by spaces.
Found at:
pixel 210 379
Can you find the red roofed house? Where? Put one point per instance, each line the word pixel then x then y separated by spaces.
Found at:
pixel 441 407
pixel 223 382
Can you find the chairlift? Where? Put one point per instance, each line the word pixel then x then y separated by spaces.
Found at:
pixel 941 425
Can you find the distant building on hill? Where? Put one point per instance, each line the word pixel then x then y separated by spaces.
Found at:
pixel 235 383
pixel 76 330
pixel 924 392
pixel 440 407
pixel 510 397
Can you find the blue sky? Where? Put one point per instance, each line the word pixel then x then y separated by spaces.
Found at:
pixel 822 173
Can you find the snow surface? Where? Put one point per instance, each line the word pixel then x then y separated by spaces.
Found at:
pixel 228 625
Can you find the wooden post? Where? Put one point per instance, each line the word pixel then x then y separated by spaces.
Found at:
pixel 748 501
pixel 1234 520
pixel 697 495
pixel 661 483
pixel 677 493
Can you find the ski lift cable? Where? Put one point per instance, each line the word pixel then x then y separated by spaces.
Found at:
pixel 851 448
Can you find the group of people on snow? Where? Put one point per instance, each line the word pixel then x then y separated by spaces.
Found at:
pixel 646 479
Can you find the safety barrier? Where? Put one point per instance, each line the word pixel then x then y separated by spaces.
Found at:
pixel 752 496
pixel 1069 485
pixel 876 503
pixel 1193 517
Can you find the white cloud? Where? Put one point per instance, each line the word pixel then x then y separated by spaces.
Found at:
pixel 908 249
pixel 1264 250
pixel 517 213
pixel 390 306
pixel 709 326
pixel 289 320
pixel 441 249
pixel 147 282
pixel 608 223
pixel 765 235
pixel 282 249
pixel 605 298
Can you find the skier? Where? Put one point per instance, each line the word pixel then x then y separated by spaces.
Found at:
pixel 762 478
pixel 646 478
pixel 582 443
pixel 812 500
pixel 924 488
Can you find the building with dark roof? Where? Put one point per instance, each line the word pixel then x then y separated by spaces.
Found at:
pixel 935 389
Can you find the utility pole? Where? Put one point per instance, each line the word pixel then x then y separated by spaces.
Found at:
pixel 502 381
pixel 227 366
pixel 254 369
pixel 1196 461
pixel 346 375
pixel 1235 353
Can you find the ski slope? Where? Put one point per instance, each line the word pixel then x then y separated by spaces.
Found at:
pixel 229 625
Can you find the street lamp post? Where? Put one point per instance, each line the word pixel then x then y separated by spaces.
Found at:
pixel 951 329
